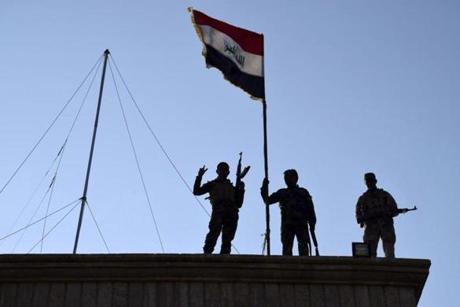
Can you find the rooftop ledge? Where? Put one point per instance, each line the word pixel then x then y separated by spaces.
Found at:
pixel 324 271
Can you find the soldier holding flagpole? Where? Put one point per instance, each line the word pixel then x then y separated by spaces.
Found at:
pixel 239 54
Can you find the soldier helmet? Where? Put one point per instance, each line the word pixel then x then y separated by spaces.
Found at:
pixel 291 172
pixel 370 177
pixel 223 169
pixel 223 165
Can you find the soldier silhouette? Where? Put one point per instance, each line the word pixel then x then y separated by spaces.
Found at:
pixel 375 211
pixel 296 210
pixel 226 200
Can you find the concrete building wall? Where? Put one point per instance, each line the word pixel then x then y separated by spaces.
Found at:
pixel 199 280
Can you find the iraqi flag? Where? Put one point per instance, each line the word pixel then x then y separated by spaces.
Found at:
pixel 236 52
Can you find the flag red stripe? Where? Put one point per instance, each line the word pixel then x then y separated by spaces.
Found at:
pixel 250 41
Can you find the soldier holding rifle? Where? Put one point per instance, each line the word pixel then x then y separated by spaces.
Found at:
pixel 375 211
pixel 226 200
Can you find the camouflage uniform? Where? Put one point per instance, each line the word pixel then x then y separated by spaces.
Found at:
pixel 296 210
pixel 375 211
pixel 226 201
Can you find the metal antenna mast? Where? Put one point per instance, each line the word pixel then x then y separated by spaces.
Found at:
pixel 85 190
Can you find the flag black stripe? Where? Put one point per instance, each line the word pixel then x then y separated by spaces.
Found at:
pixel 253 85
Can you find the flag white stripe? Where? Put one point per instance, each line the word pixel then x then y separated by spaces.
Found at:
pixel 247 62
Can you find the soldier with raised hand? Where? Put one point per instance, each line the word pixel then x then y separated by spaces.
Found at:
pixel 226 200
pixel 297 210
pixel 375 211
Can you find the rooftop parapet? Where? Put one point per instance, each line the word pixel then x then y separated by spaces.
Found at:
pixel 208 280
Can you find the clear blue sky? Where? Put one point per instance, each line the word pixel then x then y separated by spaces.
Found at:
pixel 352 86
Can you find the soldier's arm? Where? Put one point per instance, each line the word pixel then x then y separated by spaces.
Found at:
pixel 273 198
pixel 199 189
pixel 392 204
pixel 264 190
pixel 311 210
pixel 358 213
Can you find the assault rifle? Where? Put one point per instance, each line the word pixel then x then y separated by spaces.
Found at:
pixel 315 242
pixel 405 210
pixel 240 174
pixel 396 213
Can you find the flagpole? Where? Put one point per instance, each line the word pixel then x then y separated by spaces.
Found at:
pixel 267 208
pixel 231 68
pixel 88 170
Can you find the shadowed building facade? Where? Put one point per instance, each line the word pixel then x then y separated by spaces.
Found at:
pixel 208 280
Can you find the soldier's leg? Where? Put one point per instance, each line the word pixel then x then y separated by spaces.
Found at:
pixel 287 237
pixel 215 226
pixel 230 223
pixel 388 240
pixel 302 238
pixel 371 237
